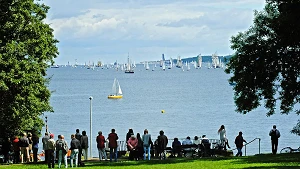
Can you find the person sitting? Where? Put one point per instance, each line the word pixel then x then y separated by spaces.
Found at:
pixel 187 141
pixel 196 140
pixel 176 147
pixel 132 144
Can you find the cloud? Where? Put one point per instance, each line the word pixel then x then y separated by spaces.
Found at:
pixel 148 28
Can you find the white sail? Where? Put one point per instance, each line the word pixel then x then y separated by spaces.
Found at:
pixel 116 88
pixel 116 92
pixel 147 66
pixel 119 91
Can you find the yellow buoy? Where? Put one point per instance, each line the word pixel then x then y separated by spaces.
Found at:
pixel 162 111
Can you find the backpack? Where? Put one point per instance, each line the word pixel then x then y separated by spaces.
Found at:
pixel 60 145
pixel 274 134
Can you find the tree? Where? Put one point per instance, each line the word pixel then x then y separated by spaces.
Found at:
pixel 27 47
pixel 266 63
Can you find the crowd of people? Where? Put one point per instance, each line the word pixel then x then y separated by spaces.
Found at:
pixel 140 147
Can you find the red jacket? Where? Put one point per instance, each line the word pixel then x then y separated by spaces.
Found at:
pixel 16 144
pixel 100 141
pixel 112 138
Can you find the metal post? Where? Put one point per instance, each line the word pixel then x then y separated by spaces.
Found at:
pixel 258 145
pixel 46 124
pixel 91 98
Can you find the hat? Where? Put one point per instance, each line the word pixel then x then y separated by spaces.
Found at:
pixel 52 135
pixel 132 136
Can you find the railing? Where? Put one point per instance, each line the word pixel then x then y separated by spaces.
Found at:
pixel 122 144
pixel 250 143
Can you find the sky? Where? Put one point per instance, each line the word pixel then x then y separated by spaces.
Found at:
pixel 110 30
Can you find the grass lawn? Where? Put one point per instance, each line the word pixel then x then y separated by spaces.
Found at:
pixel 251 162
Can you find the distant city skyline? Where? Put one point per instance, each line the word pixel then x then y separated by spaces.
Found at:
pixel 106 31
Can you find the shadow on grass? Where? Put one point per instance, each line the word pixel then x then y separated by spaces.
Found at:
pixel 281 159
pixel 124 162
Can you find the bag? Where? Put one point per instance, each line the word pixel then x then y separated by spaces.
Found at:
pixel 23 142
pixel 60 145
pixel 273 135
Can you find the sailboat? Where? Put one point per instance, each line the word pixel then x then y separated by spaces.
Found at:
pixel 129 67
pixel 188 67
pixel 163 66
pixel 147 66
pixel 116 91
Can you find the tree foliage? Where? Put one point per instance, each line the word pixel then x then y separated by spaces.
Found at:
pixel 27 46
pixel 266 63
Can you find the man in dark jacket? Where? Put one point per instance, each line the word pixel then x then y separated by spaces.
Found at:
pixel 78 137
pixel 74 147
pixel 275 134
pixel 162 144
pixel 239 143
pixel 45 146
pixel 35 147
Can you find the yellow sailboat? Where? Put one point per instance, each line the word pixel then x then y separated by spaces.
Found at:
pixel 116 91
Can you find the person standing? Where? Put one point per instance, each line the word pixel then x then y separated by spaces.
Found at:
pixel 162 144
pixel 61 148
pixel 128 135
pixel 35 147
pixel 45 146
pixel 24 143
pixel 275 134
pixel 113 145
pixel 16 147
pixel 29 136
pixel 51 151
pixel 140 147
pixel 223 138
pixel 78 137
pixel 146 138
pixel 239 143
pixel 84 145
pixel 100 139
pixel 74 147
pixel 6 148
pixel 132 143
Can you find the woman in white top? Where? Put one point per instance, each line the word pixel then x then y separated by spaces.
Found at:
pixel 223 138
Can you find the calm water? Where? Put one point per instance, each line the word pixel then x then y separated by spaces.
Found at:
pixel 196 102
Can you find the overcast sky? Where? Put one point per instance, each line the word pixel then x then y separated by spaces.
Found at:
pixel 107 30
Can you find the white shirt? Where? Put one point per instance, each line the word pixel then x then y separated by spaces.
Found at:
pixel 223 134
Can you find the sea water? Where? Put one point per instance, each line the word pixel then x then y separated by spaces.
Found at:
pixel 195 102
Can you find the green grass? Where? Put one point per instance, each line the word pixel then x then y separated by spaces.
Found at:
pixel 250 162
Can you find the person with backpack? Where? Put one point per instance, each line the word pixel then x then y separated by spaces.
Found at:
pixel 62 149
pixel 24 143
pixel 239 140
pixel 275 134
